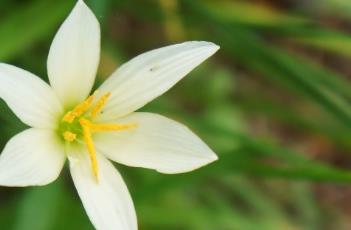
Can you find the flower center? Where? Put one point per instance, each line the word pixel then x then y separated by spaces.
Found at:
pixel 77 125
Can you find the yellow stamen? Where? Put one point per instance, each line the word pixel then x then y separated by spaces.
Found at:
pixel 109 127
pixel 69 136
pixel 100 104
pixel 78 110
pixel 90 146
pixel 88 128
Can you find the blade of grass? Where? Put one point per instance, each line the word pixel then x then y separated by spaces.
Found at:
pixel 30 24
pixel 278 65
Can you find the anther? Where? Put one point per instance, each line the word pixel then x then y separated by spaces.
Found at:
pixel 69 136
pixel 79 110
pixel 100 104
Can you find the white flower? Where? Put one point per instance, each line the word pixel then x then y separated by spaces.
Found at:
pixel 67 122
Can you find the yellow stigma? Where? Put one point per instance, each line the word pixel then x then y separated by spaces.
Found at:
pixel 77 125
pixel 108 127
pixel 90 146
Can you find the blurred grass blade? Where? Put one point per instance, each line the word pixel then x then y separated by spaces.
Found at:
pixel 248 14
pixel 278 65
pixel 30 24
pixel 264 19
pixel 39 207
pixel 292 118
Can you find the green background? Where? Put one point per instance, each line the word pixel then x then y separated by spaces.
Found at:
pixel 273 103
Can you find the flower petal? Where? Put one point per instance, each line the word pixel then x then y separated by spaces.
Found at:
pixel 74 55
pixel 157 143
pixel 151 74
pixel 32 157
pixel 107 202
pixel 29 97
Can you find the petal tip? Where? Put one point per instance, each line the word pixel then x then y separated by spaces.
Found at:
pixel 208 44
pixel 216 47
pixel 81 3
pixel 211 158
pixel 211 47
pixel 83 8
pixel 214 157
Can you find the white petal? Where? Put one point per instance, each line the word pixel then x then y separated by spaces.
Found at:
pixel 107 202
pixel 151 74
pixel 32 157
pixel 157 143
pixel 29 97
pixel 74 55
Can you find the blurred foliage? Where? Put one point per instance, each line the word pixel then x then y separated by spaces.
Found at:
pixel 274 103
